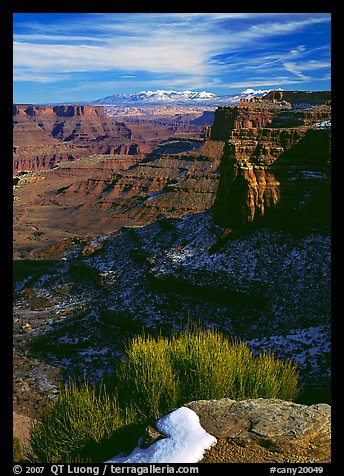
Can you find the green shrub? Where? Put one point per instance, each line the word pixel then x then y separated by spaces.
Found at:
pixel 18 456
pixel 145 376
pixel 160 373
pixel 79 418
pixel 155 375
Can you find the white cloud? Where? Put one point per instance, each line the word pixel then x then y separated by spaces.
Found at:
pixel 310 65
pixel 25 74
pixel 155 55
pixel 187 47
pixel 298 68
pixel 152 42
pixel 48 37
pixel 272 82
pixel 265 30
pixel 298 50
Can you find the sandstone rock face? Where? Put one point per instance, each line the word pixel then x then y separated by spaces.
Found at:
pixel 266 430
pixel 68 111
pixel 268 169
pixel 239 117
pixel 268 113
pixel 299 97
pixel 104 193
pixel 43 136
pixel 272 419
pixel 301 117
pixel 24 110
pixel 247 188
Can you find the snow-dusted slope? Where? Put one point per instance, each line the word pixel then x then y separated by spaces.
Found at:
pixel 161 96
pixel 269 288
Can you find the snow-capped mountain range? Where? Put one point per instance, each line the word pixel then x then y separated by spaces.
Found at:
pixel 161 96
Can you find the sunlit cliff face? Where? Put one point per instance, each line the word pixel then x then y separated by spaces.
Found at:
pixel 265 169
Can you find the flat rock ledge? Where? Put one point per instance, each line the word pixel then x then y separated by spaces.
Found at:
pixel 265 430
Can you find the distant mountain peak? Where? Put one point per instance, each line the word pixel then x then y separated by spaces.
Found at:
pixel 162 96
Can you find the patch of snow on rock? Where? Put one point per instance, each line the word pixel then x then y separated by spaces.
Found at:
pixel 185 443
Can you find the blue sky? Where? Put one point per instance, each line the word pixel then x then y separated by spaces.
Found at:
pixel 74 57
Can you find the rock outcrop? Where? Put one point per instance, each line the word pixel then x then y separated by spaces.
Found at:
pixel 43 136
pixel 302 116
pixel 288 432
pixel 265 114
pixel 23 110
pixel 275 174
pixel 266 168
pixel 299 98
pixel 273 419
pixel 264 430
pixel 228 118
pixel 175 179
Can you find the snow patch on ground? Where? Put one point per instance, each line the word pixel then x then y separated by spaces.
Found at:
pixel 309 347
pixel 154 276
pixel 323 124
pixel 185 443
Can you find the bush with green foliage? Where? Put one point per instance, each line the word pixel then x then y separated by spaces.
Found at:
pixel 155 375
pixel 18 456
pixel 160 373
pixel 81 417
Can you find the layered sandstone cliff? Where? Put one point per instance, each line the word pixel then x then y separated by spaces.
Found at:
pixel 100 194
pixel 281 175
pixel 23 110
pixel 43 136
pixel 265 114
pixel 237 117
pixel 296 98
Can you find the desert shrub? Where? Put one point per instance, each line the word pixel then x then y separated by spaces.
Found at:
pixel 155 375
pixel 161 373
pixel 81 417
pixel 18 455
pixel 201 361
pixel 145 377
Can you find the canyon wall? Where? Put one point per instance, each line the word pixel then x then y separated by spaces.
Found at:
pixel 307 98
pixel 100 194
pixel 43 136
pixel 248 170
pixel 28 110
pixel 264 114
pixel 279 175
pixel 237 117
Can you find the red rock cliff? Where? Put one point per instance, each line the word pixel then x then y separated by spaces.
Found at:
pixel 46 135
pixel 238 117
pixel 274 114
pixel 279 175
pixel 299 97
pixel 69 111
pixel 28 110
